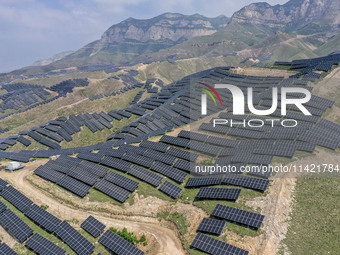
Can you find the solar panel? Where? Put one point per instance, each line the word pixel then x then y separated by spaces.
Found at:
pixel 218 193
pixel 75 186
pixel 74 239
pixel 5 250
pixel 112 190
pixel 160 156
pixel 3 207
pixel 170 189
pixel 246 182
pixel 192 135
pixel 132 149
pixel 118 245
pixel 154 146
pixel 48 173
pixel 81 174
pixel 3 184
pixel 58 166
pixel 138 159
pixel 41 245
pixel 116 153
pixel 222 141
pixel 117 164
pixel 145 175
pixel 94 157
pixel 211 150
pixel 93 168
pixel 16 198
pixel 212 226
pixel 15 226
pixel 249 219
pixel 182 154
pixel 93 226
pixel 213 246
pixel 43 218
pixel 181 142
pixel 169 171
pixel 203 181
pixel 121 181
pixel 183 165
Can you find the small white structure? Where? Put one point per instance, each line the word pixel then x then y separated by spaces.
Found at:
pixel 12 166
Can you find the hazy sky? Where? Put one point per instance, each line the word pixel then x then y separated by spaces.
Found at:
pixel 31 30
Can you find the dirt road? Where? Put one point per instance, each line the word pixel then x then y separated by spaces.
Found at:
pixel 168 240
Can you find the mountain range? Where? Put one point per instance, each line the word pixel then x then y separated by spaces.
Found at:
pixel 259 32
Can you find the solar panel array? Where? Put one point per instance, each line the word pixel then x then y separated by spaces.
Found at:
pixel 77 187
pixel 168 112
pixel 169 171
pixel 170 189
pixel 3 207
pixel 81 174
pixel 118 245
pixel 117 164
pixel 43 218
pixel 195 182
pixel 218 193
pixel 41 245
pixel 212 226
pixel 5 250
pixel 112 190
pixel 15 226
pixel 16 198
pixel 146 175
pixel 93 226
pixel 249 219
pixel 121 181
pixel 213 246
pixel 48 173
pixel 246 182
pixel 3 184
pixel 74 239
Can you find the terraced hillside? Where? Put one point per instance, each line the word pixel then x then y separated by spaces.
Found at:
pixel 134 166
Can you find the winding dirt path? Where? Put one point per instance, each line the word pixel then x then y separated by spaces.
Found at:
pixel 168 240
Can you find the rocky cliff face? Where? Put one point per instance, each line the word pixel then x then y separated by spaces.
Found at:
pixel 169 28
pixel 292 15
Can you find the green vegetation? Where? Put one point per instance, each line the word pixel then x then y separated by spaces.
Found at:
pixel 86 137
pixel 97 196
pixel 206 162
pixel 20 248
pixel 45 207
pixel 129 236
pixel 314 225
pixel 178 219
pixel 54 79
pixel 297 155
pixel 74 103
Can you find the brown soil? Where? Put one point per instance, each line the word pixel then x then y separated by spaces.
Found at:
pixel 140 217
pixel 257 71
pixel 166 240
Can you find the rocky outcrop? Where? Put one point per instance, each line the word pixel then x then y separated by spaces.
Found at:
pixel 292 15
pixel 169 28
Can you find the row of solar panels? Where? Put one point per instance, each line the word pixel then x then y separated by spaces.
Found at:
pixel 62 129
pixel 117 92
pixel 23 98
pixel 180 108
pixel 39 244
pixel 21 231
pixel 309 65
